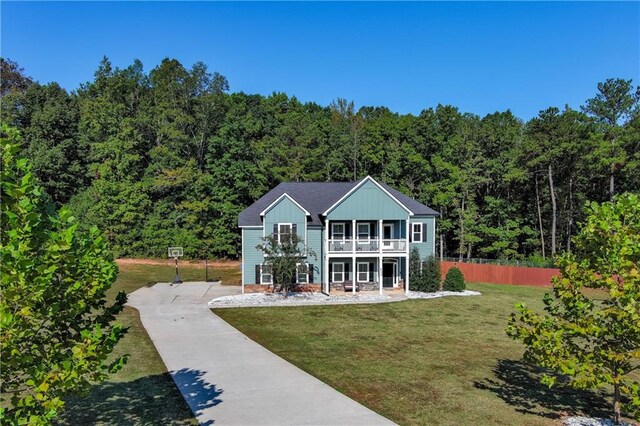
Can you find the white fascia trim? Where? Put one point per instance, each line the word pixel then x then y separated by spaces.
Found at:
pixel 280 199
pixel 345 196
pixel 242 265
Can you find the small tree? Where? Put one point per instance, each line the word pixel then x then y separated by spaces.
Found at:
pixel 56 330
pixel 593 338
pixel 416 276
pixel 432 275
pixel 454 281
pixel 285 256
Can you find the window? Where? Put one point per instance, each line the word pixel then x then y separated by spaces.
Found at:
pixel 337 231
pixel 302 273
pixel 337 276
pixel 363 231
pixel 265 275
pixel 416 236
pixel 284 232
pixel 363 272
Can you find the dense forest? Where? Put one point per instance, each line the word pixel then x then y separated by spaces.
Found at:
pixel 171 156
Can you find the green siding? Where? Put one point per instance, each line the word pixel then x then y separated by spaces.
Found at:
pixel 425 248
pixel 286 212
pixel 251 237
pixel 368 202
pixel 314 242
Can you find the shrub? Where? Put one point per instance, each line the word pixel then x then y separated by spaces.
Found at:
pixel 432 278
pixel 454 280
pixel 416 277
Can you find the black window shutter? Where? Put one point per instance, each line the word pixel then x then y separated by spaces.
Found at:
pixel 371 275
pixel 310 273
pixel 257 274
pixel 346 271
pixel 410 232
pixel 275 229
pixel 424 233
pixel 294 229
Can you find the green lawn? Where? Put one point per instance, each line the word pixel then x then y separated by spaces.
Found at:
pixel 143 392
pixel 441 361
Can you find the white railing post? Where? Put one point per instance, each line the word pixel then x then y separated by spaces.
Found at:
pixel 380 242
pixel 325 271
pixel 354 273
pixel 406 260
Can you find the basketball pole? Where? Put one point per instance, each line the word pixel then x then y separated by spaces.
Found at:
pixel 176 279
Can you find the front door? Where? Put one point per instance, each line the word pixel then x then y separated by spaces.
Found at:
pixel 387 274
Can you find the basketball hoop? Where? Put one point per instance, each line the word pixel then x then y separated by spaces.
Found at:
pixel 176 252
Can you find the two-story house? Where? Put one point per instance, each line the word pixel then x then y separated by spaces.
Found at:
pixel 361 232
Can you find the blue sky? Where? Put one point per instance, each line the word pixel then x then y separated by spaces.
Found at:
pixel 480 57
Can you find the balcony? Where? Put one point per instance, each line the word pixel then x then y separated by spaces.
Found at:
pixel 368 246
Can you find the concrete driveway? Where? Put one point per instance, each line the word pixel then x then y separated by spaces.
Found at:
pixel 227 378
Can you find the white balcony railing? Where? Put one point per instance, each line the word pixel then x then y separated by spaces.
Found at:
pixel 367 246
pixel 394 245
pixel 338 246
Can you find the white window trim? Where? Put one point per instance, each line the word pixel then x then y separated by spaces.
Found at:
pixel 263 274
pixel 333 272
pixel 284 224
pixel 368 225
pixel 298 274
pixel 358 273
pixel 333 231
pixel 414 232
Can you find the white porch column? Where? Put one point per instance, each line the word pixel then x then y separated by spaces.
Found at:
pixel 406 261
pixel 380 271
pixel 354 272
pixel 325 270
pixel 380 254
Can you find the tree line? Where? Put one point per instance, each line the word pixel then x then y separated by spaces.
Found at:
pixel 172 156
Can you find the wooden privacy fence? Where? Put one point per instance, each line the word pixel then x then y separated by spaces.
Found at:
pixel 501 274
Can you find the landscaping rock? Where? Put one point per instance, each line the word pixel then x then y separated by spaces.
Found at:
pixel 437 294
pixel 590 421
pixel 269 299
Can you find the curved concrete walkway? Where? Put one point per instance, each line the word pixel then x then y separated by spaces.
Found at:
pixel 225 377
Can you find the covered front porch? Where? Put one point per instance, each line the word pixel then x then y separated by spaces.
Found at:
pixel 370 274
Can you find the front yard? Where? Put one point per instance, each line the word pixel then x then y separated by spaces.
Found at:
pixel 441 361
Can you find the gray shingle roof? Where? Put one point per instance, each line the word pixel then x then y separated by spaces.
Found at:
pixel 416 207
pixel 316 198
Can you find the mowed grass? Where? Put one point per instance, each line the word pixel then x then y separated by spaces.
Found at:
pixel 441 361
pixel 142 393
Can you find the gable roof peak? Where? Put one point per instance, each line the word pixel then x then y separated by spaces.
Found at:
pixel 284 195
pixel 358 185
